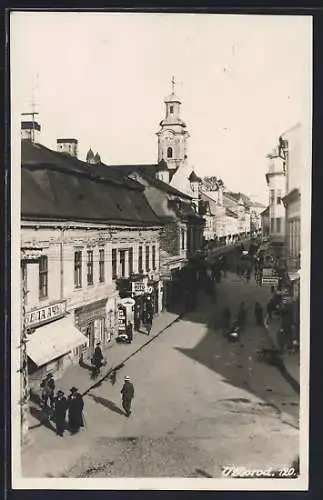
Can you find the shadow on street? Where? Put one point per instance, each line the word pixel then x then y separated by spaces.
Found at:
pixel 106 403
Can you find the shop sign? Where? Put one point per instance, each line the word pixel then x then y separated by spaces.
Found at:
pixel 121 319
pixel 45 314
pixel 138 287
pixel 149 289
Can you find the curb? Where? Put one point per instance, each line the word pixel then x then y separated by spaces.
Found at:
pixel 122 363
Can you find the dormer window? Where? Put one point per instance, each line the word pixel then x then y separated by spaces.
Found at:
pixel 169 153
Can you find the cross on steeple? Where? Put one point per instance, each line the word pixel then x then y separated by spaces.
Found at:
pixel 173 84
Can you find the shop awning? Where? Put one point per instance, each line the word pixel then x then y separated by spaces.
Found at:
pixel 53 340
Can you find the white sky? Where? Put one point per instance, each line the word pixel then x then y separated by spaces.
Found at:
pixel 102 78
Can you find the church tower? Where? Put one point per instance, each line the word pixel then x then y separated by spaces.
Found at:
pixel 172 136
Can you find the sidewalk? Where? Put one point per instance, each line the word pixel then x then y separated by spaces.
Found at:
pixel 291 361
pixel 115 354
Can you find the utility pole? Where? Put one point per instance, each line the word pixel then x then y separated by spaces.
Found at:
pixel 28 255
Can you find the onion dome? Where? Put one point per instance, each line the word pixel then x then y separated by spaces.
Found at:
pixel 90 155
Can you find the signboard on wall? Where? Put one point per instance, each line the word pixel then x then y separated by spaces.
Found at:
pixel 45 314
pixel 138 287
pixel 121 319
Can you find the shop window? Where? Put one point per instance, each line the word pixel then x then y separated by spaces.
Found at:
pixel 169 153
pixel 140 269
pixel 154 257
pixel 123 263
pixel 130 262
pixel 43 277
pixel 147 259
pixel 78 269
pixel 114 263
pixel 101 265
pixel 90 267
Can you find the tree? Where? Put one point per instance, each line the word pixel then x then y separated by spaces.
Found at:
pixel 212 183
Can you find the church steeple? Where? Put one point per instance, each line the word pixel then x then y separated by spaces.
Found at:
pixel 172 136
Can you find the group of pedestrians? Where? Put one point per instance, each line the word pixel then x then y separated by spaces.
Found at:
pixel 67 413
pixel 59 406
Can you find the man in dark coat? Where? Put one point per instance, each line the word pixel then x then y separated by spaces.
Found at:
pixel 97 359
pixel 128 393
pixel 75 410
pixel 259 314
pixel 59 413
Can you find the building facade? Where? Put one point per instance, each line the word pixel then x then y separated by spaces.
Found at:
pixel 94 235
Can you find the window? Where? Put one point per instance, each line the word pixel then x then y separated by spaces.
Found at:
pixel 90 267
pixel 278 224
pixel 171 109
pixel 114 263
pixel 101 265
pixel 154 257
pixel 183 238
pixel 147 259
pixel 78 269
pixel 123 263
pixel 272 196
pixel 279 197
pixel 140 260
pixel 169 153
pixel 43 277
pixel 130 261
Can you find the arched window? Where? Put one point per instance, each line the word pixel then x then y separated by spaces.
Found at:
pixel 169 153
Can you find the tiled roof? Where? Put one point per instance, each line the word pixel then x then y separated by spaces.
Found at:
pixel 56 190
pixel 148 172
pixel 231 214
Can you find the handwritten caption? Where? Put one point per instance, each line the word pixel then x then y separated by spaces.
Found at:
pixel 245 472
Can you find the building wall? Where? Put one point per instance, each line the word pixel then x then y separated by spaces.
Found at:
pixel 294 161
pixel 277 189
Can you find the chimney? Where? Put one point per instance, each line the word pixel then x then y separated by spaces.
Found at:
pixel 30 131
pixel 68 146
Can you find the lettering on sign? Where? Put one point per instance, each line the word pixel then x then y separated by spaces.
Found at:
pixel 121 319
pixel 45 314
pixel 138 287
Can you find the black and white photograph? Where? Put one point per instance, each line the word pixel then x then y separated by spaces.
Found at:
pixel 160 250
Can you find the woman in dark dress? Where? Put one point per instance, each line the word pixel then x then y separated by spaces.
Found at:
pixel 75 411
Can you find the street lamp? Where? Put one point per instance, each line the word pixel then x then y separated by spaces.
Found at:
pixel 28 255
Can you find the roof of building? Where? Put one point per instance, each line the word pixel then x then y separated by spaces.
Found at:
pixel 162 166
pixel 89 155
pixel 26 125
pixel 56 190
pixel 211 202
pixel 237 196
pixel 74 141
pixel 193 177
pixel 231 214
pixel 97 158
pixel 265 212
pixel 172 98
pixel 148 172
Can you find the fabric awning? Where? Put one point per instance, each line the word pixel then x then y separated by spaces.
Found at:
pixel 53 340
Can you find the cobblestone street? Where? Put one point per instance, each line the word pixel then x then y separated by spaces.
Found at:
pixel 200 404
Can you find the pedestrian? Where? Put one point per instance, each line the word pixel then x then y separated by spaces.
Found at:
pixel 269 311
pixel 47 390
pixel 281 339
pixel 75 410
pixel 59 412
pixel 97 359
pixel 128 393
pixel 129 332
pixel 259 314
pixel 242 316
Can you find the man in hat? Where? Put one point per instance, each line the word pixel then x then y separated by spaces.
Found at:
pixel 75 410
pixel 59 413
pixel 128 393
pixel 97 359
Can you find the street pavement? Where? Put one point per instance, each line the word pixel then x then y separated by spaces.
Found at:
pixel 200 404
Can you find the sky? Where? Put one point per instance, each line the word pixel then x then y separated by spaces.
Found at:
pixel 102 78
